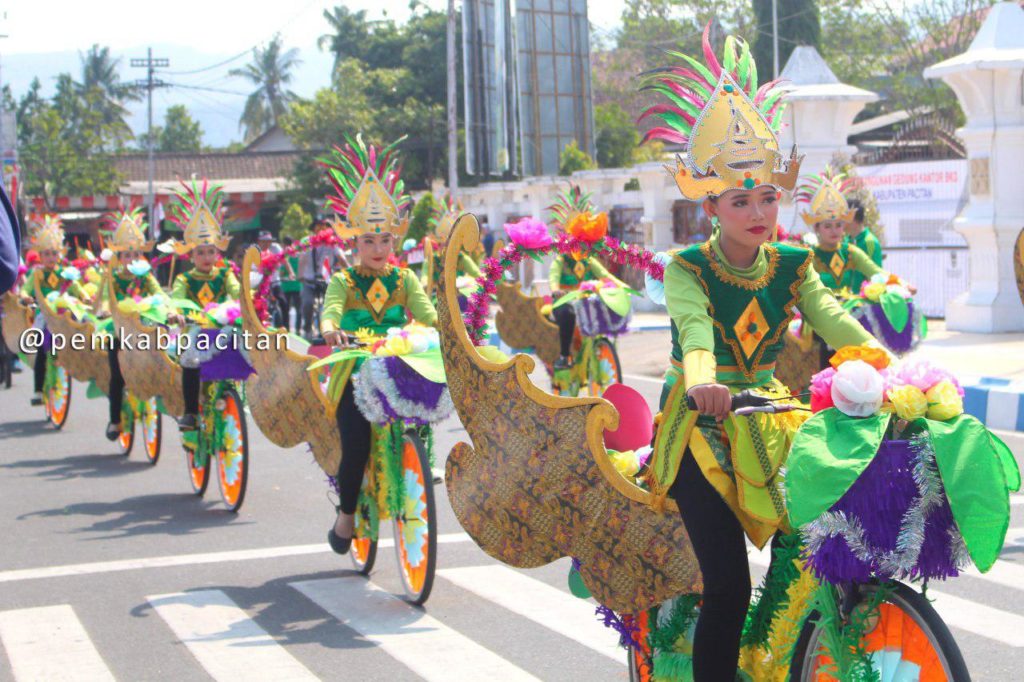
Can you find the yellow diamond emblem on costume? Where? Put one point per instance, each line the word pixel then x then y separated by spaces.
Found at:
pixel 579 269
pixel 53 280
pixel 377 296
pixel 751 328
pixel 205 295
pixel 836 265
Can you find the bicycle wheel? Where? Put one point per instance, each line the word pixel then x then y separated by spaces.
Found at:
pixel 126 438
pixel 233 450
pixel 416 526
pixel 363 551
pixel 908 636
pixel 604 369
pixel 198 474
pixel 58 395
pixel 152 430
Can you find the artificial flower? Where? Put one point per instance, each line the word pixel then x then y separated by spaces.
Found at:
pixel 588 227
pixel 106 255
pixel 944 401
pixel 900 290
pixel 395 345
pixel 857 388
pixel 545 310
pixel 924 375
pixel 872 291
pixel 408 245
pixel 655 288
pixel 71 273
pixel 529 233
pixel 821 389
pixel 879 278
pixel 626 462
pixel 139 268
pixel 876 357
pixel 908 402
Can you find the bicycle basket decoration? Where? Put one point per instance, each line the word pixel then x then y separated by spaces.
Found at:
pixel 399 377
pixel 602 307
pixel 890 479
pixel 216 345
pixel 885 307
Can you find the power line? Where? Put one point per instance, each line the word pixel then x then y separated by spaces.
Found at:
pixel 206 89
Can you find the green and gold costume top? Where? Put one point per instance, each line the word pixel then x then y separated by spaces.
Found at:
pixel 216 286
pixel 465 267
pixel 360 298
pixel 567 272
pixel 49 281
pixel 127 285
pixel 836 266
pixel 867 242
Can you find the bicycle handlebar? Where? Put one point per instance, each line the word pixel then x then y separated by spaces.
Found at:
pixel 748 402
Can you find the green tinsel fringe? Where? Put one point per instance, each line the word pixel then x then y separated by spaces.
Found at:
pixel 770 597
pixel 684 613
pixel 390 461
pixel 673 667
pixel 845 643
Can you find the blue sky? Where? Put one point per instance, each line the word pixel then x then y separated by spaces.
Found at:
pixel 44 38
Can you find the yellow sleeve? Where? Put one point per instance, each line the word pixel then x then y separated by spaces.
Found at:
pixel 151 286
pixel 469 265
pixel 862 262
pixel 555 273
pixel 180 287
pixel 334 303
pixel 104 301
pixel 822 311
pixel 687 305
pixel 231 286
pixel 76 290
pixel 417 301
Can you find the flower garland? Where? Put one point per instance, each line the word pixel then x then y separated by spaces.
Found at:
pixel 269 262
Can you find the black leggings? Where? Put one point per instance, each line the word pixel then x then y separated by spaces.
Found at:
pixel 355 449
pixel 190 389
pixel 116 384
pixel 718 542
pixel 565 318
pixel 39 371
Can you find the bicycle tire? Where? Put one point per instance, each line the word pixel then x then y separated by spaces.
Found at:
pixel 418 578
pixel 233 492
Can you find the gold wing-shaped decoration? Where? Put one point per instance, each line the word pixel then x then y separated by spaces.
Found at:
pixel 16 319
pixel 520 323
pixel 537 484
pixel 147 369
pixel 795 366
pixel 1018 264
pixel 284 397
pixel 88 362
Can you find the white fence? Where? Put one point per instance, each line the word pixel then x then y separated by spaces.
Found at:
pixel 940 273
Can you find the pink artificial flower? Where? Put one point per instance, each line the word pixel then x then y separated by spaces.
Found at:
pixel 821 390
pixel 923 374
pixel 529 233
pixel 588 286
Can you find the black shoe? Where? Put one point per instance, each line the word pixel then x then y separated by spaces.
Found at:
pixel 339 544
pixel 113 431
pixel 563 363
pixel 37 398
pixel 187 422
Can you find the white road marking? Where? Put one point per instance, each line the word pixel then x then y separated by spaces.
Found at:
pixel 189 560
pixel 49 643
pixel 551 607
pixel 1016 499
pixel 422 643
pixel 640 377
pixel 225 641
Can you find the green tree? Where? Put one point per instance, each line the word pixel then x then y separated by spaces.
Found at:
pixel 617 136
pixel 799 24
pixel 100 78
pixel 181 133
pixel 271 72
pixel 419 222
pixel 574 159
pixel 295 222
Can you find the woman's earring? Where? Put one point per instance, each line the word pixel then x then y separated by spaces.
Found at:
pixel 714 222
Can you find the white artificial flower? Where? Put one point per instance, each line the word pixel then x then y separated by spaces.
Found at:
pixel 857 389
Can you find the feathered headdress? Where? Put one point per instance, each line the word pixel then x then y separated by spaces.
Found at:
pixel 196 210
pixel 727 123
pixel 368 190
pixel 49 235
pixel 826 195
pixel 443 218
pixel 569 204
pixel 129 231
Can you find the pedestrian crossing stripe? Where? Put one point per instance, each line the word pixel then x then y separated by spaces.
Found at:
pixel 50 643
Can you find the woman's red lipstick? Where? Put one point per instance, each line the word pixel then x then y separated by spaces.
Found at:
pixel 757 229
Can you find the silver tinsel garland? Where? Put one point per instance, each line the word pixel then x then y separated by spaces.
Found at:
pixel 373 377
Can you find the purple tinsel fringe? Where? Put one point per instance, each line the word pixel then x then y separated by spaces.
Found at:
pixel 595 318
pixel 879 501
pixel 627 631
pixel 411 385
pixel 228 365
pixel 873 319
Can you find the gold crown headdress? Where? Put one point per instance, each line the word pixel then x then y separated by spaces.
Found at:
pixel 49 236
pixel 727 123
pixel 368 189
pixel 129 231
pixel 196 210
pixel 825 195
pixel 443 220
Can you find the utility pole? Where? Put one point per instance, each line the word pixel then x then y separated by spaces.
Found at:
pixel 453 144
pixel 775 38
pixel 151 65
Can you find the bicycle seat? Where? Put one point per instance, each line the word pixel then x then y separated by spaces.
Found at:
pixel 636 424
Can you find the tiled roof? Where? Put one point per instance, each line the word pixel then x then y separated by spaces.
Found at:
pixel 213 165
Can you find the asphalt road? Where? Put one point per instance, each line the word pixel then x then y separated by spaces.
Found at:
pixel 112 569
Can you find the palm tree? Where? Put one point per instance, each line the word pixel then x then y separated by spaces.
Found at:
pixel 100 78
pixel 348 30
pixel 270 71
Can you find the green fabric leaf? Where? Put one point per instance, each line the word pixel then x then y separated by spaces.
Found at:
pixel 1008 462
pixel 568 298
pixel 618 299
pixel 829 453
pixel 94 391
pixel 429 365
pixel 896 310
pixel 184 304
pixel 340 356
pixel 972 472
pixel 576 585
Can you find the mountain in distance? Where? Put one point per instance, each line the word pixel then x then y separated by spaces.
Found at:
pixel 217 112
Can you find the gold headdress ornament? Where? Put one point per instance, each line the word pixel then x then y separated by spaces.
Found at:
pixel 569 204
pixel 445 215
pixel 727 123
pixel 368 190
pixel 49 235
pixel 196 211
pixel 129 232
pixel 825 195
